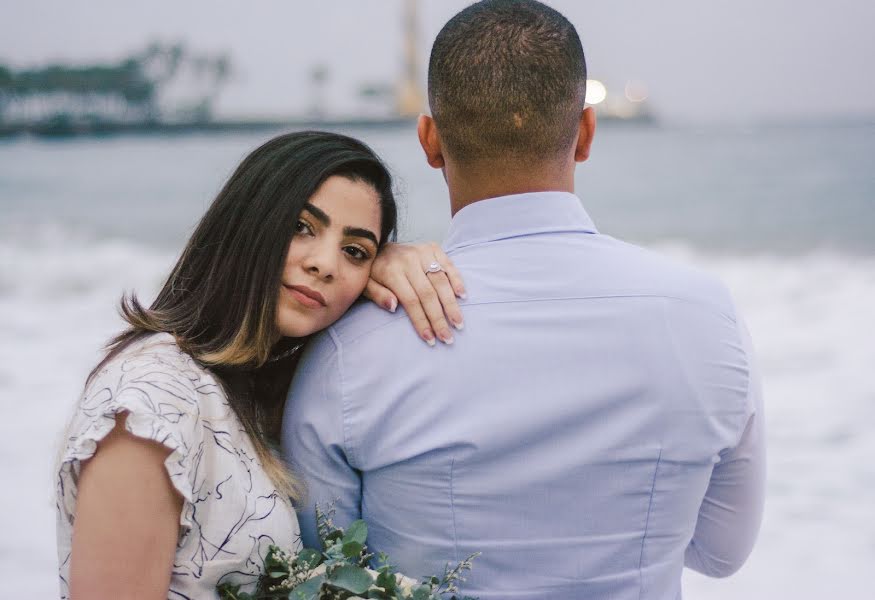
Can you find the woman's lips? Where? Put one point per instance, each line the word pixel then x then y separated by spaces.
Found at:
pixel 306 296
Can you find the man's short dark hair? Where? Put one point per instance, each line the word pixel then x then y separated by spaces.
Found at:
pixel 507 80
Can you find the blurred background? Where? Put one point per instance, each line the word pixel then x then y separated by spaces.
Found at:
pixel 738 137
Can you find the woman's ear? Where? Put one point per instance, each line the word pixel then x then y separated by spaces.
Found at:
pixel 585 135
pixel 430 141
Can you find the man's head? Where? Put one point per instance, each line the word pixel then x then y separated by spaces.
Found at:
pixel 506 84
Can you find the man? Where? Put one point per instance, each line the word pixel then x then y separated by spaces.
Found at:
pixel 597 425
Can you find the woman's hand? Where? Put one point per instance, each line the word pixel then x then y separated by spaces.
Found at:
pixel 400 274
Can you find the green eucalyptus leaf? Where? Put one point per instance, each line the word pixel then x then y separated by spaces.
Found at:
pixel 331 537
pixel 309 558
pixel 231 591
pixel 423 592
pixel 309 590
pixel 387 581
pixel 352 579
pixel 352 549
pixel 228 591
pixel 357 532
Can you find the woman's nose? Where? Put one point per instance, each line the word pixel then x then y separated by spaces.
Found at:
pixel 321 261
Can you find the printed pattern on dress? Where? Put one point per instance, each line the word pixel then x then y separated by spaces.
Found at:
pixel 231 511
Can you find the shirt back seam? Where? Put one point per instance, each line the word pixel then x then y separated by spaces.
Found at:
pixel 336 335
pixel 348 448
pixel 453 510
pixel 647 525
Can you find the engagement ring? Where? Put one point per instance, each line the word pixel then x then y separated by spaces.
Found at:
pixel 434 267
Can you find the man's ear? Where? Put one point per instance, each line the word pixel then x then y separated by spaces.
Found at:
pixel 430 141
pixel 585 135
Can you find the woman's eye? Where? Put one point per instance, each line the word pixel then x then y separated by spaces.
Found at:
pixel 356 253
pixel 303 227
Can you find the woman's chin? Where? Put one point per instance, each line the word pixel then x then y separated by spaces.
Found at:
pixel 297 330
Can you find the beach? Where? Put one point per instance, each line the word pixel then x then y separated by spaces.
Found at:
pixel 784 214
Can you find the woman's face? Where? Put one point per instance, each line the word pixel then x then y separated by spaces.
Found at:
pixel 329 259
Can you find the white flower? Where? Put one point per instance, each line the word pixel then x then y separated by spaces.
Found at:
pixel 320 570
pixel 407 584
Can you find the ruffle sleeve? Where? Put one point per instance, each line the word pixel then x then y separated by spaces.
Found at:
pixel 159 387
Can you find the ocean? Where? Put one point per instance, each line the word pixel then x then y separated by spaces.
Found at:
pixel 783 213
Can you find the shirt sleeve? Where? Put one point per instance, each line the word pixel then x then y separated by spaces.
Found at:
pixel 158 389
pixel 314 439
pixel 731 512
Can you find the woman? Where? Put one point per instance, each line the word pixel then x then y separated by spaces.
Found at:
pixel 167 482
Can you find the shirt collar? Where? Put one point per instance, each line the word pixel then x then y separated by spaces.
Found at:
pixel 519 214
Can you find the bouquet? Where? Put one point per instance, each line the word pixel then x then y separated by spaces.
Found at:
pixel 340 572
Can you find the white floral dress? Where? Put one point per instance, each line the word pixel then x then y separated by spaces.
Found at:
pixel 231 511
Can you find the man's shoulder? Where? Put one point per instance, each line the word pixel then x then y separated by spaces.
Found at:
pixel 596 265
pixel 671 276
pixel 365 319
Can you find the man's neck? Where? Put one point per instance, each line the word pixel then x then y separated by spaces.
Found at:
pixel 470 185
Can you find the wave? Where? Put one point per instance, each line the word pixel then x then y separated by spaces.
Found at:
pixel 810 317
pixel 54 264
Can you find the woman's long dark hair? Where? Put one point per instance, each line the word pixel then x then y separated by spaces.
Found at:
pixel 219 302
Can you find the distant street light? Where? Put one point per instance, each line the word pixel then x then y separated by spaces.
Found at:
pixel 595 92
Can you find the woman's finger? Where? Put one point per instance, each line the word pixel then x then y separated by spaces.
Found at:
pixel 452 272
pixel 447 297
pixel 431 303
pixel 380 295
pixel 409 299
pixel 428 299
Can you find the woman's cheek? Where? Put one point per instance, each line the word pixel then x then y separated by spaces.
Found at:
pixel 354 288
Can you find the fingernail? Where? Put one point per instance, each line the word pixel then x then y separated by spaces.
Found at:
pixel 463 295
pixel 447 338
pixel 392 305
pixel 428 336
pixel 460 326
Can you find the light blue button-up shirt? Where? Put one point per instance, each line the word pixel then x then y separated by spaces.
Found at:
pixel 595 426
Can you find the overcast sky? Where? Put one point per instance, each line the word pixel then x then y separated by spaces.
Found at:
pixel 701 59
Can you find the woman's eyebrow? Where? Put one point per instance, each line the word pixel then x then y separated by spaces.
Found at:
pixel 320 215
pixel 360 232
pixel 323 218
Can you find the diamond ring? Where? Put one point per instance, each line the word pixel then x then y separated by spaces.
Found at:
pixel 434 267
